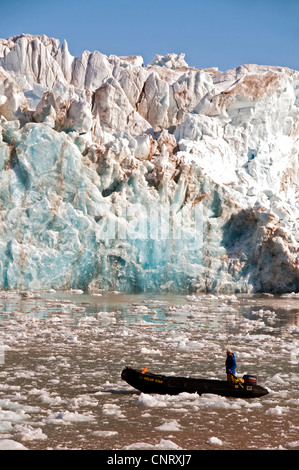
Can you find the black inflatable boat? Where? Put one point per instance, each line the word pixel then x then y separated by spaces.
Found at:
pixel 147 382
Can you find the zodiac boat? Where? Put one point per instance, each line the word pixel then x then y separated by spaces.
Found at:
pixel 147 382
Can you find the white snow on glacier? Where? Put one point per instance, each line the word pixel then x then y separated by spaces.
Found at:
pixel 124 176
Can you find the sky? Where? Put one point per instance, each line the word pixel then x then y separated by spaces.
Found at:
pixel 211 33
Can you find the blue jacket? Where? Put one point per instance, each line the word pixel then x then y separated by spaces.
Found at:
pixel 231 364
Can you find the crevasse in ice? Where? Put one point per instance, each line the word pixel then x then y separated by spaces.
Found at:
pixel 116 175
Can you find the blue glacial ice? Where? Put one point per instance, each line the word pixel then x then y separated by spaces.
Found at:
pixel 119 176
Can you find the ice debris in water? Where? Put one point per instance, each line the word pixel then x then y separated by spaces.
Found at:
pixel 215 441
pixel 9 444
pixel 124 176
pixel 164 444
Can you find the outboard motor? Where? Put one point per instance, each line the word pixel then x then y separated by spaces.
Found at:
pixel 250 379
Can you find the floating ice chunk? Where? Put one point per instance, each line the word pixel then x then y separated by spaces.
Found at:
pixel 13 416
pixel 151 400
pixel 29 433
pixel 147 351
pixel 164 444
pixel 5 426
pixel 214 441
pixel 277 410
pixel 9 444
pixel 293 444
pixel 169 426
pixel 105 433
pixel 67 417
pixel 113 409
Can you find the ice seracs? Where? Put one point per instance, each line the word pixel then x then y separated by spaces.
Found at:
pixel 124 176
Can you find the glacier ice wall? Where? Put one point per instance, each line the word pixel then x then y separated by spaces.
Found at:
pixel 116 175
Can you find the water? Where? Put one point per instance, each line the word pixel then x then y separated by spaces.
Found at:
pixel 62 355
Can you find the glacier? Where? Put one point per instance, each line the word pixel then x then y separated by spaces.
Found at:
pixel 116 175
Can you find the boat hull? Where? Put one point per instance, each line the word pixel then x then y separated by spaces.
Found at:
pixel 168 385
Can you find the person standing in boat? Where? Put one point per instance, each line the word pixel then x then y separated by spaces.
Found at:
pixel 230 365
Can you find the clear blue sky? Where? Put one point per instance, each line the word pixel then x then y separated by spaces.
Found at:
pixel 212 33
